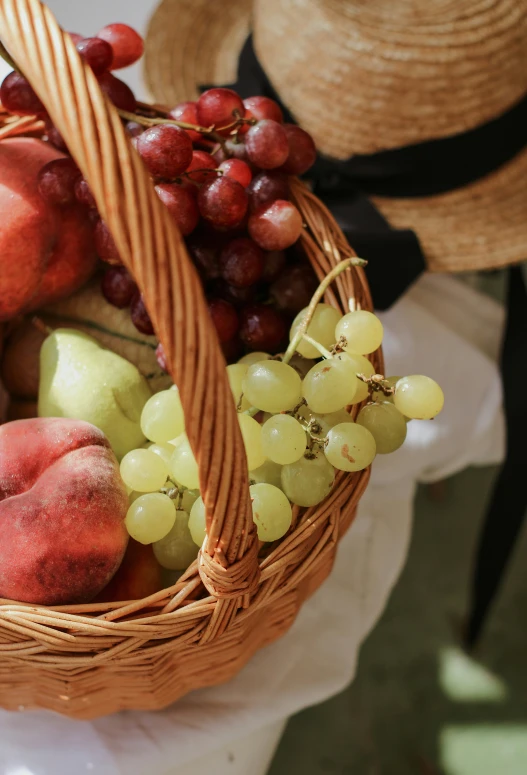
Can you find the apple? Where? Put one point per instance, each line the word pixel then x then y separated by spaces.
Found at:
pixel 62 510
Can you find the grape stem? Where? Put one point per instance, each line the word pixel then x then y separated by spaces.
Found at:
pixel 322 350
pixel 162 118
pixel 320 291
pixel 154 121
pixel 377 382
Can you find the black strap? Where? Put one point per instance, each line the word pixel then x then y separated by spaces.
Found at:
pixel 508 505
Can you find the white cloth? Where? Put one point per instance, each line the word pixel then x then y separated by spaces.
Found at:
pixel 441 328
pixel 317 658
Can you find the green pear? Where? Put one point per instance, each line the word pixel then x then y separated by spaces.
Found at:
pixel 81 379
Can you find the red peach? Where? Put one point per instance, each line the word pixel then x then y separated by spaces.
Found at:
pixel 46 252
pixel 62 510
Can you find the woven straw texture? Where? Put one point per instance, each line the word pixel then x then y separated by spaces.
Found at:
pixel 368 75
pixel 91 660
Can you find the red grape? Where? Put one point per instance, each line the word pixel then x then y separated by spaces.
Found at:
pixel 225 319
pixel 203 250
pixel 293 289
pixel 235 149
pixel 105 245
pixel 84 194
pixel 203 163
pixel 17 96
pixel 76 38
pixel 219 107
pixel 237 296
pixel 55 138
pixel 302 151
pixel 118 286
pixel 266 144
pixel 97 53
pixel 232 349
pixel 117 92
pixel 273 264
pixel 56 181
pixel 276 226
pixel 263 107
pixel 186 111
pixel 181 205
pixel 262 327
pixel 161 357
pixel 223 202
pixel 242 262
pixel 126 43
pixel 165 149
pixel 134 129
pixel 139 314
pixel 267 187
pixel 237 170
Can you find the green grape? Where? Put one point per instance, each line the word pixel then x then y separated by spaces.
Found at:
pixel 272 386
pixel 418 397
pixel 163 450
pixel 236 373
pixel 324 422
pixel 379 397
pixel 350 447
pixel 254 357
pixel 143 471
pixel 252 439
pixel 150 517
pixel 133 495
pixel 301 365
pixel 197 522
pixel 188 499
pixel 283 439
pixel 321 329
pixel 177 441
pixel 386 424
pixel 362 330
pixel 272 512
pixel 330 385
pixel 309 480
pixel 183 466
pixel 162 418
pixel 177 550
pixel 362 366
pixel 268 473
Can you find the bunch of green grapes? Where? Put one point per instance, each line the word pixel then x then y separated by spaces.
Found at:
pixel 293 412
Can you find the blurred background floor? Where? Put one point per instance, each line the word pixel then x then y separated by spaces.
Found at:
pixel 419 705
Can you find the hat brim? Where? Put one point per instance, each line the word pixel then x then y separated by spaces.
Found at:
pixel 190 43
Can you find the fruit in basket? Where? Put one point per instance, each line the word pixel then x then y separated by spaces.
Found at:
pixel 81 379
pixel 138 576
pixel 177 550
pixel 62 510
pixel 46 251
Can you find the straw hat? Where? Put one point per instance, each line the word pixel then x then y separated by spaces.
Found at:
pixel 369 75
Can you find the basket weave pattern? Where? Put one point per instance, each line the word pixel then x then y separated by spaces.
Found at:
pixel 89 660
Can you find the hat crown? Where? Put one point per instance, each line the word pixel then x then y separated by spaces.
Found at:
pixel 366 75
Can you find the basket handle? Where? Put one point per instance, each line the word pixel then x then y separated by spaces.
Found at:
pixel 152 249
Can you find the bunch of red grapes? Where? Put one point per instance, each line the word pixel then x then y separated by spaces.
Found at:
pixel 221 166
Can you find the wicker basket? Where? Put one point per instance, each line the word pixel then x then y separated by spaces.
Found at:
pixel 90 660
